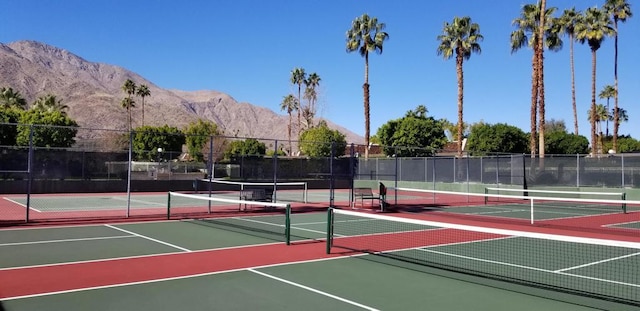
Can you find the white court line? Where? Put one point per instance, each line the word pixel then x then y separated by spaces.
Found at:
pixel 138 201
pixel 14 201
pixel 597 262
pixel 314 290
pixel 68 240
pixel 164 279
pixel 23 205
pixel 148 238
pixel 531 268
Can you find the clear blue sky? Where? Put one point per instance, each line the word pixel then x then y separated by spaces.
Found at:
pixel 247 49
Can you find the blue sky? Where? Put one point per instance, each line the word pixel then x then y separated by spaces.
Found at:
pixel 247 49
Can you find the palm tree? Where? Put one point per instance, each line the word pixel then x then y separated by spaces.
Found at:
pixel 607 92
pixel 366 35
pixel 143 91
pixel 568 21
pixel 50 103
pixel 11 98
pixel 619 10
pixel 289 104
pixel 462 38
pixel 595 27
pixel 600 115
pixel 311 94
pixel 297 77
pixel 622 115
pixel 128 103
pixel 527 34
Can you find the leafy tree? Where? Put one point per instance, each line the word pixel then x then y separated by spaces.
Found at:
pixel 460 38
pixel 414 135
pixel 11 98
pixel 567 23
pixel 317 141
pixel 198 135
pixel 143 91
pixel 561 142
pixel 50 129
pixel 147 140
pixel 49 102
pixel 366 35
pixel 620 10
pixel 594 28
pixel 289 104
pixel 628 144
pixel 8 133
pixel 554 126
pixel 128 103
pixel 531 26
pixel 247 147
pixel 298 77
pixel 501 137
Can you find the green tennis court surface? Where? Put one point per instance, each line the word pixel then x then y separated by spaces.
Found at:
pixel 366 282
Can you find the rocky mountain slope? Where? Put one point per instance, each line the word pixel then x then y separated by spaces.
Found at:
pixel 93 93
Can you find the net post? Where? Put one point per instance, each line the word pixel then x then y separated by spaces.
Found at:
pixel 305 192
pixel 329 229
pixel 486 197
pixel 532 217
pixel 169 205
pixel 624 205
pixel 287 225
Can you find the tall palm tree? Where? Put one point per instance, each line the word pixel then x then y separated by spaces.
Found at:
pixel 297 77
pixel 128 103
pixel 289 104
pixel 11 98
pixel 50 103
pixel 462 38
pixel 595 27
pixel 527 33
pixel 607 92
pixel 143 91
pixel 366 35
pixel 310 93
pixel 567 22
pixel 619 10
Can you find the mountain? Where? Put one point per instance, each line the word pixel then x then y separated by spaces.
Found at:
pixel 93 93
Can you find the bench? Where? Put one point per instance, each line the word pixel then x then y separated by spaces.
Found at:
pixel 368 194
pixel 260 195
pixel 365 194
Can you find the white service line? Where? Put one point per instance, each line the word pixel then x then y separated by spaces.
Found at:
pixel 68 240
pixel 597 262
pixel 314 290
pixel 148 238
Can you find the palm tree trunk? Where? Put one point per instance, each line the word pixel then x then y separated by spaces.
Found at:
pixel 289 132
pixel 594 143
pixel 573 87
pixel 365 88
pixel 460 75
pixel 616 117
pixel 534 104
pixel 541 80
pixel 142 110
pixel 299 108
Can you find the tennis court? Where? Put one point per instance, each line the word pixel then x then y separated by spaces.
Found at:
pixel 199 264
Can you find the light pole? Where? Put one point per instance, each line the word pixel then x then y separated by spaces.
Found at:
pixel 159 159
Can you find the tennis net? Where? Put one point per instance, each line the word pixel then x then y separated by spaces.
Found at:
pixel 533 206
pixel 277 191
pixel 580 270
pixel 273 221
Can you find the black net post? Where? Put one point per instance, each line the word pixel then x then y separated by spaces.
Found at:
pixel 29 173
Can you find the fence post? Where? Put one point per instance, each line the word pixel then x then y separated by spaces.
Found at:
pixel 622 169
pixel 578 170
pixel 275 171
pixel 29 172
